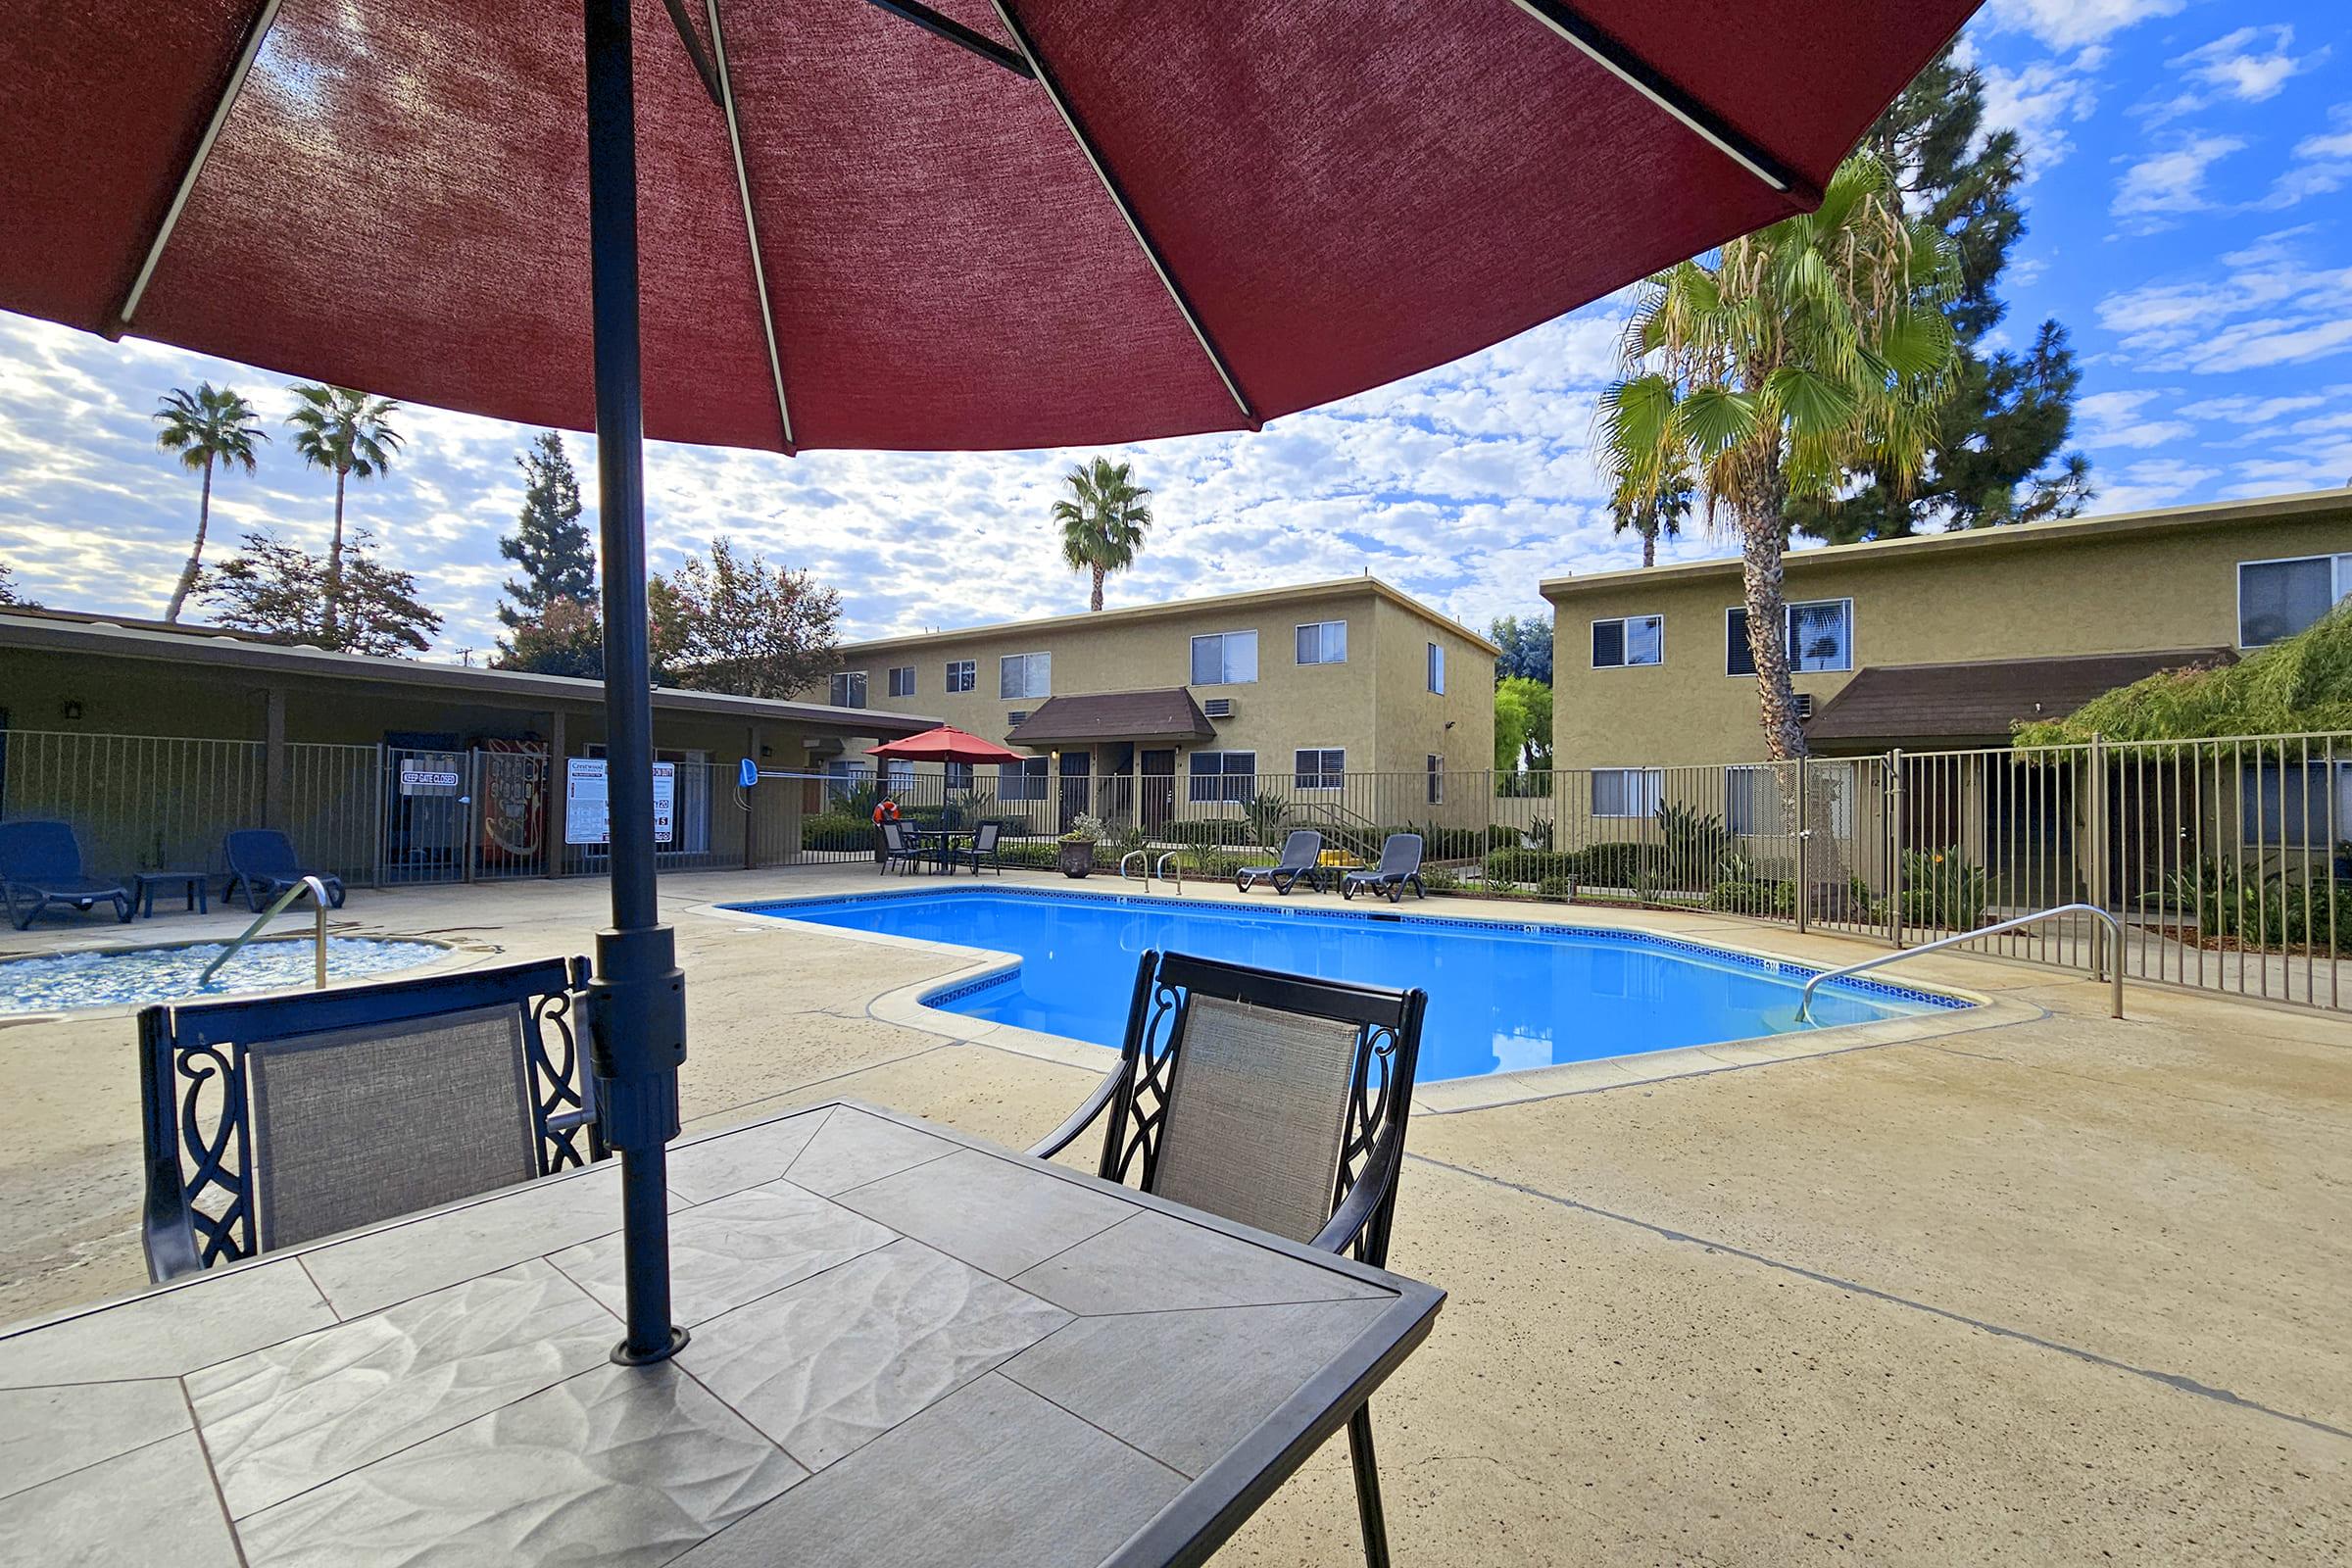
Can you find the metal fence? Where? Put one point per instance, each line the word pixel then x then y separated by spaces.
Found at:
pixel 2229 861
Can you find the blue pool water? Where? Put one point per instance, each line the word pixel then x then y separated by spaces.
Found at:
pixel 1502 997
pixel 127 977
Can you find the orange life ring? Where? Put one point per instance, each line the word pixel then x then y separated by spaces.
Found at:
pixel 886 812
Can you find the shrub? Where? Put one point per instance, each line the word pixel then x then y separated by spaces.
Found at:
pixel 1037 857
pixel 1437 879
pixel 1558 886
pixel 1615 863
pixel 1942 888
pixel 1268 816
pixel 2272 912
pixel 1528 865
pixel 836 830
pixel 1538 832
pixel 1502 836
pixel 1201 830
pixel 1753 898
pixel 1693 842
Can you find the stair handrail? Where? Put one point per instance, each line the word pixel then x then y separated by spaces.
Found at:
pixel 317 892
pixel 2115 930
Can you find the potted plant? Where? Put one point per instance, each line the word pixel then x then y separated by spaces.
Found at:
pixel 1075 854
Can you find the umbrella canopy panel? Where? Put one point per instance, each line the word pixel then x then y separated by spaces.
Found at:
pixel 395 198
pixel 946 744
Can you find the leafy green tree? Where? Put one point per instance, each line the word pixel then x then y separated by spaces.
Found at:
pixel 280 592
pixel 1653 513
pixel 1994 454
pixel 1526 648
pixel 210 425
pixel 349 434
pixel 1775 368
pixel 1102 520
pixel 733 624
pixel 1522 725
pixel 551 545
pixel 567 638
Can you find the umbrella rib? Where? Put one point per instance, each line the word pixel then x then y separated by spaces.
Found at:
pixel 1621 62
pixel 956 33
pixel 694 47
pixel 751 223
pixel 1119 199
pixel 246 55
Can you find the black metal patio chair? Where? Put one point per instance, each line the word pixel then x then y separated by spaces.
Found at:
pixel 1302 861
pixel 261 860
pixel 1400 867
pixel 902 849
pixel 982 851
pixel 40 869
pixel 273 1120
pixel 1276 1100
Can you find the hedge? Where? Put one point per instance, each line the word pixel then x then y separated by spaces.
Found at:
pixel 1753 898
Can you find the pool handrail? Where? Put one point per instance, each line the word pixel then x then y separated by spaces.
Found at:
pixel 317 892
pixel 1152 870
pixel 2115 961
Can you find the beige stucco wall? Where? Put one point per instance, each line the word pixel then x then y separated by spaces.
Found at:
pixel 2109 586
pixel 1374 707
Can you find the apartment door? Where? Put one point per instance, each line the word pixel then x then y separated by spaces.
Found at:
pixel 1160 789
pixel 1077 777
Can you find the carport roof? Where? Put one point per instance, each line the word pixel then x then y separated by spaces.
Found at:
pixel 1979 701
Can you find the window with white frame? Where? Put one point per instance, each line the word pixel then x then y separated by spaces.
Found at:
pixel 1436 779
pixel 1024 675
pixel 1627 791
pixel 959 775
pixel 898 774
pixel 1437 669
pixel 1819 637
pixel 1225 658
pixel 848 688
pixel 902 681
pixel 1025 780
pixel 2289 805
pixel 1319 768
pixel 1323 642
pixel 2276 599
pixel 1751 800
pixel 1222 776
pixel 961 676
pixel 1629 640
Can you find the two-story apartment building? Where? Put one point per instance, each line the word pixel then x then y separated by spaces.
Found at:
pixel 1166 708
pixel 1941 640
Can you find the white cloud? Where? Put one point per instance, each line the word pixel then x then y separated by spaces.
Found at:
pixel 2269 308
pixel 2248 66
pixel 2171 182
pixel 2119 419
pixel 2150 482
pixel 2072 23
pixel 2040 100
pixel 2321 165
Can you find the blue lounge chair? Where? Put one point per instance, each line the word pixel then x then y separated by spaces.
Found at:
pixel 261 860
pixel 1302 861
pixel 1400 867
pixel 40 866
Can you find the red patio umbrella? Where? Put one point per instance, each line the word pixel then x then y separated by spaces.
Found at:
pixel 997 223
pixel 946 744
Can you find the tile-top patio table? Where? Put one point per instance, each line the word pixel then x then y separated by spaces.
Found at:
pixel 909 1348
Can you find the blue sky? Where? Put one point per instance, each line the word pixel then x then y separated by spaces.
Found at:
pixel 2190 213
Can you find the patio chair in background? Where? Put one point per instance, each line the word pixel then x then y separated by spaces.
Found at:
pixel 982 851
pixel 901 850
pixel 40 866
pixel 274 1121
pixel 261 860
pixel 1400 866
pixel 1276 1100
pixel 1302 860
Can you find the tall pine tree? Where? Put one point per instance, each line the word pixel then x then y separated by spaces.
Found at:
pixel 1995 455
pixel 550 544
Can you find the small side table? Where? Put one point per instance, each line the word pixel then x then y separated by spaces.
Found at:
pixel 190 883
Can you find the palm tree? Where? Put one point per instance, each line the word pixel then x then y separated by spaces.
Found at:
pixel 350 433
pixel 1777 366
pixel 212 424
pixel 1653 513
pixel 1102 520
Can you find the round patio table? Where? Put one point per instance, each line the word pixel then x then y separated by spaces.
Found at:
pixel 944 838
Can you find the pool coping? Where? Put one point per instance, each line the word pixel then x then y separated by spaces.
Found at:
pixel 911 1006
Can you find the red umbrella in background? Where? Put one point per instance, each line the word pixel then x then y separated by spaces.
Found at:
pixel 998 223
pixel 946 744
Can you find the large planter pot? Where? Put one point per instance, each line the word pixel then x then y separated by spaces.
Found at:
pixel 1075 860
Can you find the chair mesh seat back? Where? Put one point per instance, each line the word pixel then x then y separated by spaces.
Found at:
pixel 1303 846
pixel 986 839
pixel 355 1125
pixel 1256 1111
pixel 40 852
pixel 1401 855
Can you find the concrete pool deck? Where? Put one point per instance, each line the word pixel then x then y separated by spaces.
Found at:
pixel 2040 1287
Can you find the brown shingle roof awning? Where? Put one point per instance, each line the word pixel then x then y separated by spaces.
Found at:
pixel 1168 715
pixel 1978 701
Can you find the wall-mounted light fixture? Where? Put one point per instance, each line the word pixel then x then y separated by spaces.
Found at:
pixel 71 709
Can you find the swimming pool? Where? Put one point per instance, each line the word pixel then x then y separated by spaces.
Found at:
pixel 130 977
pixel 1502 996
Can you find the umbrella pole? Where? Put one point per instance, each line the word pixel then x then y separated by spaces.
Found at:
pixel 637 1001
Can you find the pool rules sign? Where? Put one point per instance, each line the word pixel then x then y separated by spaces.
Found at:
pixel 587 811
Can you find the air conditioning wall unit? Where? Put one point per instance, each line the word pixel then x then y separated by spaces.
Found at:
pixel 1019 715
pixel 1218 708
pixel 1804 704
